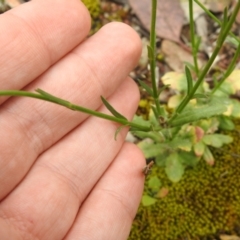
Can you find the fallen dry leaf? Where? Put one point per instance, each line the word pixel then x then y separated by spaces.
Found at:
pixel 170 17
pixel 175 56
pixel 197 11
pixel 229 237
pixel 218 5
pixel 212 5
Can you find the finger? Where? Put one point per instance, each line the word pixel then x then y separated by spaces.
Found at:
pixel 36 35
pixel 95 68
pixel 109 210
pixel 63 176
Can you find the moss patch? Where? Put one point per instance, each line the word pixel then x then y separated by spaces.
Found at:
pixel 93 7
pixel 95 11
pixel 205 203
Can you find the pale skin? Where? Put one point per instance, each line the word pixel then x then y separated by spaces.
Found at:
pixel 62 174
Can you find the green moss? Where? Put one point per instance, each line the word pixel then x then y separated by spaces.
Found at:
pixel 206 201
pixel 93 7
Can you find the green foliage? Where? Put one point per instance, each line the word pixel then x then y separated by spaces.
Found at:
pixel 182 132
pixel 205 202
pixel 93 7
pixel 182 147
pixel 95 11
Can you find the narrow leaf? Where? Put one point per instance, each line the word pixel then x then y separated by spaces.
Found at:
pixel 51 97
pixel 190 66
pixel 150 53
pixel 155 112
pixel 111 109
pixel 197 42
pixel 189 80
pixel 208 157
pixel 225 17
pixel 224 24
pixel 146 87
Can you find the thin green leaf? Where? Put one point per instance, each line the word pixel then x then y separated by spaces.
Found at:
pixel 189 80
pixel 223 27
pixel 208 157
pixel 225 17
pixel 111 109
pixel 190 66
pixel 197 42
pixel 146 87
pixel 155 112
pixel 150 53
pixel 51 97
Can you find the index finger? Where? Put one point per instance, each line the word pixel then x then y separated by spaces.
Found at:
pixel 38 33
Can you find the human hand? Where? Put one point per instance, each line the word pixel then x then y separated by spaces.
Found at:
pixel 63 176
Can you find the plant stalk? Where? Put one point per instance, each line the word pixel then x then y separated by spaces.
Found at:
pixel 229 70
pixel 220 42
pixel 192 31
pixel 62 102
pixel 215 19
pixel 153 58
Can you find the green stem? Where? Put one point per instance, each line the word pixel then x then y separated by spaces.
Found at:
pixel 229 70
pixel 62 102
pixel 192 31
pixel 153 58
pixel 215 19
pixel 220 42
